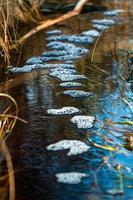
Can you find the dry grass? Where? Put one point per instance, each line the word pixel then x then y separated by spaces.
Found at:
pixel 11 12
pixel 8 120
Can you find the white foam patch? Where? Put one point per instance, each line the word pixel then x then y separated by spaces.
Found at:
pixel 70 177
pixel 92 33
pixel 28 68
pixel 68 77
pixel 113 12
pixel 75 147
pixel 56 31
pixel 106 22
pixel 83 122
pixel 34 60
pixel 77 93
pixel 72 38
pixel 70 84
pixel 63 66
pixel 69 57
pixel 69 48
pixel 54 53
pixel 61 58
pixel 100 27
pixel 80 39
pixel 61 73
pixel 63 111
pixel 69 61
pixel 60 45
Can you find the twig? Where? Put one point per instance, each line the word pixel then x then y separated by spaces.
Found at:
pixel 49 23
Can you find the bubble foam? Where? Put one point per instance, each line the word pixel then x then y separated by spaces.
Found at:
pixel 75 147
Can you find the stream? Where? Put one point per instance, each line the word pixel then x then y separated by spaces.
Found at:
pixel 103 167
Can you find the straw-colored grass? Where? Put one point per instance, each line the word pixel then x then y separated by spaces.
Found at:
pixel 8 120
pixel 11 12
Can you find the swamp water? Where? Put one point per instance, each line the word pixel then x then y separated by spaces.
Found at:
pixel 59 155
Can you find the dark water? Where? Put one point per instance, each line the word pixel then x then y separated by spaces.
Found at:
pixel 36 92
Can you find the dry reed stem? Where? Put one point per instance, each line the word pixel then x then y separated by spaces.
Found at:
pixel 12 11
pixel 7 123
pixel 16 108
pixel 95 45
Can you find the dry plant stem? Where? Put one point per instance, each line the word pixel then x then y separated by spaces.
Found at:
pixel 49 23
pixel 8 158
pixel 16 107
pixel 101 70
pixel 96 43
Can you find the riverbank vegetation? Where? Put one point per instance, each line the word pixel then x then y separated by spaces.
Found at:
pixel 13 12
pixel 8 118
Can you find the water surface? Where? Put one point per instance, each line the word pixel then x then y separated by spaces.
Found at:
pixel 36 92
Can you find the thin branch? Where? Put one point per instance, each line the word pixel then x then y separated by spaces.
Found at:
pixel 49 23
pixel 79 5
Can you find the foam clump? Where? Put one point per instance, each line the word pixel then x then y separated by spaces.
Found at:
pixel 56 37
pixel 77 93
pixel 66 75
pixel 70 84
pixel 113 12
pixel 72 54
pixel 60 58
pixel 69 61
pixel 106 22
pixel 34 60
pixel 63 111
pixel 72 38
pixel 56 31
pixel 80 39
pixel 60 45
pixel 68 57
pixel 59 72
pixel 67 47
pixel 65 51
pixel 71 77
pixel 92 33
pixel 75 147
pixel 54 53
pixel 59 66
pixel 83 122
pixel 70 177
pixel 100 27
pixel 26 68
pixel 48 58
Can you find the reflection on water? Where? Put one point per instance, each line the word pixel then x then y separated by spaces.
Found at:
pixel 36 92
